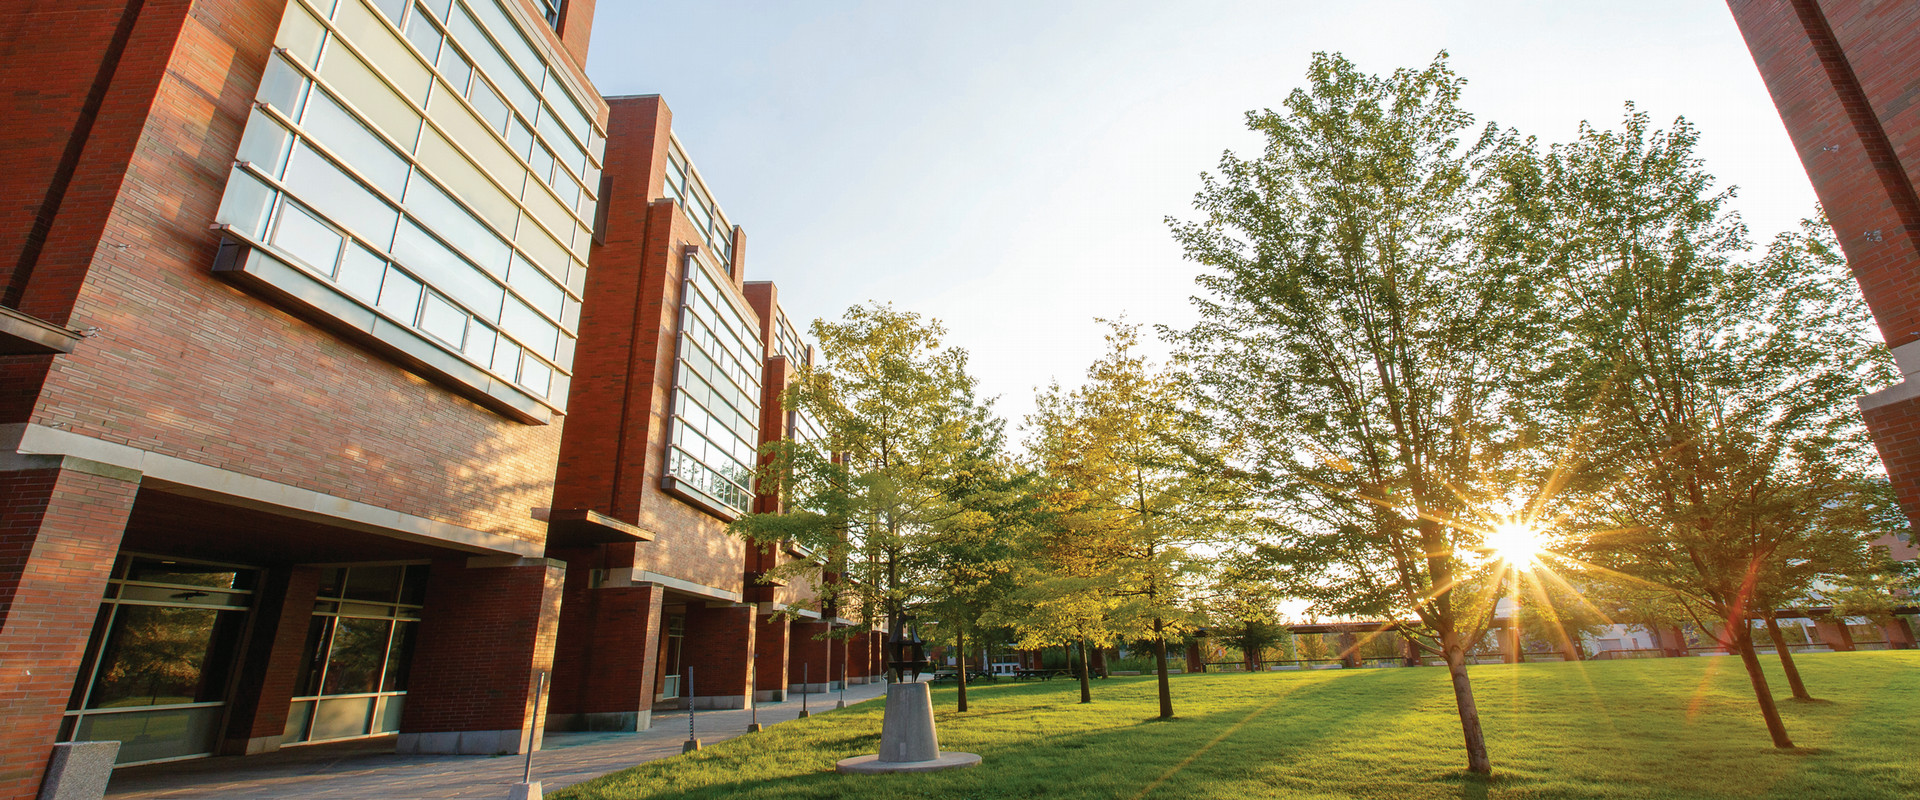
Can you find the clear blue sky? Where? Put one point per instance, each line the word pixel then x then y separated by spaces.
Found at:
pixel 1006 166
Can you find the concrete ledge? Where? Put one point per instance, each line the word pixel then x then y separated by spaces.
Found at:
pixel 720 701
pixel 770 696
pixel 24 334
pixel 465 743
pixel 79 770
pixel 601 721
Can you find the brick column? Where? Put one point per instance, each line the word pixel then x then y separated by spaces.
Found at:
pixel 807 659
pixel 1834 634
pixel 1414 657
pixel 257 717
pixel 771 645
pixel 879 654
pixel 61 520
pixel 1195 664
pixel 606 658
pixel 487 629
pixel 836 657
pixel 719 648
pixel 1349 650
pixel 1671 641
pixel 1899 633
pixel 860 658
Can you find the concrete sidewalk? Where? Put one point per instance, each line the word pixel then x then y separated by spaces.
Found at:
pixel 369 768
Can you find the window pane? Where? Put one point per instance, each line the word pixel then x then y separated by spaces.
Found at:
pixel 435 264
pixel 400 296
pixel 163 656
pixel 282 87
pixel 399 658
pixel 445 217
pixel 343 134
pixel 529 328
pixel 508 34
pixel 308 239
pixel 301 34
pixel 265 144
pixel 459 72
pixel 245 204
pixel 391 8
pixel 480 342
pixel 377 584
pixel 317 182
pixel 359 651
pixel 535 286
pixel 360 272
pixel 506 359
pixel 492 109
pixel 425 37
pixel 467 182
pixel 488 60
pixel 376 40
pixel 364 90
pixel 443 321
pixel 536 376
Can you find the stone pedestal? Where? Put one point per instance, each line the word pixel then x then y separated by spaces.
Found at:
pixel 908 742
pixel 79 771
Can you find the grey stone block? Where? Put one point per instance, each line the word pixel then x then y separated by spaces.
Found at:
pixel 79 771
pixel 524 791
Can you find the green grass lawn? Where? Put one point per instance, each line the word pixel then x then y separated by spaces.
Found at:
pixel 1658 728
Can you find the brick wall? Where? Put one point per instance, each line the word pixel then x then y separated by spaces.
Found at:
pixel 1843 74
pixel 772 644
pixel 484 633
pixel 199 370
pixel 719 646
pixel 807 658
pixel 59 531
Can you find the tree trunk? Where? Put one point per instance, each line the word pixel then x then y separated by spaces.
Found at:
pixel 1086 673
pixel 1743 639
pixel 960 644
pixel 1786 659
pixel 1160 662
pixel 1455 652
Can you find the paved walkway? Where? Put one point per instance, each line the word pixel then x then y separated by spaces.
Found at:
pixel 369 768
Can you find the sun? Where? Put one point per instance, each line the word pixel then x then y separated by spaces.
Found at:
pixel 1516 543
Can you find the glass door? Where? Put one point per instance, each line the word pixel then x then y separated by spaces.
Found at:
pixel 670 658
pixel 160 661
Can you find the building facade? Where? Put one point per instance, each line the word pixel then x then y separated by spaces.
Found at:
pixel 365 373
pixel 1844 75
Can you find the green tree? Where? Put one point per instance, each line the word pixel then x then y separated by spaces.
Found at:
pixel 897 481
pixel 1359 325
pixel 1120 448
pixel 1714 392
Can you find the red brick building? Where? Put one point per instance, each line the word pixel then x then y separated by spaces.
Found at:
pixel 315 423
pixel 1845 74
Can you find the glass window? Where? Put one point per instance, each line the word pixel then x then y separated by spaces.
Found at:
pixel 536 287
pixel 359 652
pixel 400 296
pixel 492 109
pixel 376 41
pixel 480 343
pixel 445 217
pixel 367 93
pixel 158 656
pixel 536 376
pixel 399 659
pixel 425 37
pixel 265 144
pixel 301 34
pixel 391 8
pixel 488 61
pixel 527 326
pixel 466 181
pixel 437 265
pixel 300 235
pixel 317 182
pixel 459 73
pixel 347 138
pixel 379 584
pixel 508 35
pixel 283 87
pixel 360 272
pixel 245 204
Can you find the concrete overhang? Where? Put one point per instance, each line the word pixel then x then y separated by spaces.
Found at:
pixel 27 335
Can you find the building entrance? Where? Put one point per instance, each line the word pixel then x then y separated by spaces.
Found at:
pixel 161 658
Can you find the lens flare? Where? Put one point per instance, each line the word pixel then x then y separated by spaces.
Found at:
pixel 1516 543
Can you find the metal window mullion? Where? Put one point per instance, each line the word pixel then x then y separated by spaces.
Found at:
pixel 538 98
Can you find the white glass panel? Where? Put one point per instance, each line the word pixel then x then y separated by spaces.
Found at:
pixel 265 144
pixel 438 7
pixel 434 263
pixel 360 272
pixel 480 343
pixel 300 34
pixel 445 217
pixel 545 251
pixel 245 204
pixel 536 376
pixel 441 319
pixel 492 109
pixel 425 37
pixel 506 359
pixel 528 327
pixel 308 239
pixel 459 73
pixel 400 296
pixel 508 35
pixel 317 182
pixel 472 134
pixel 340 131
pixel 374 39
pixel 536 287
pixel 391 8
pixel 488 60
pixel 282 87
pixel 466 181
pixel 550 213
pixel 363 89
